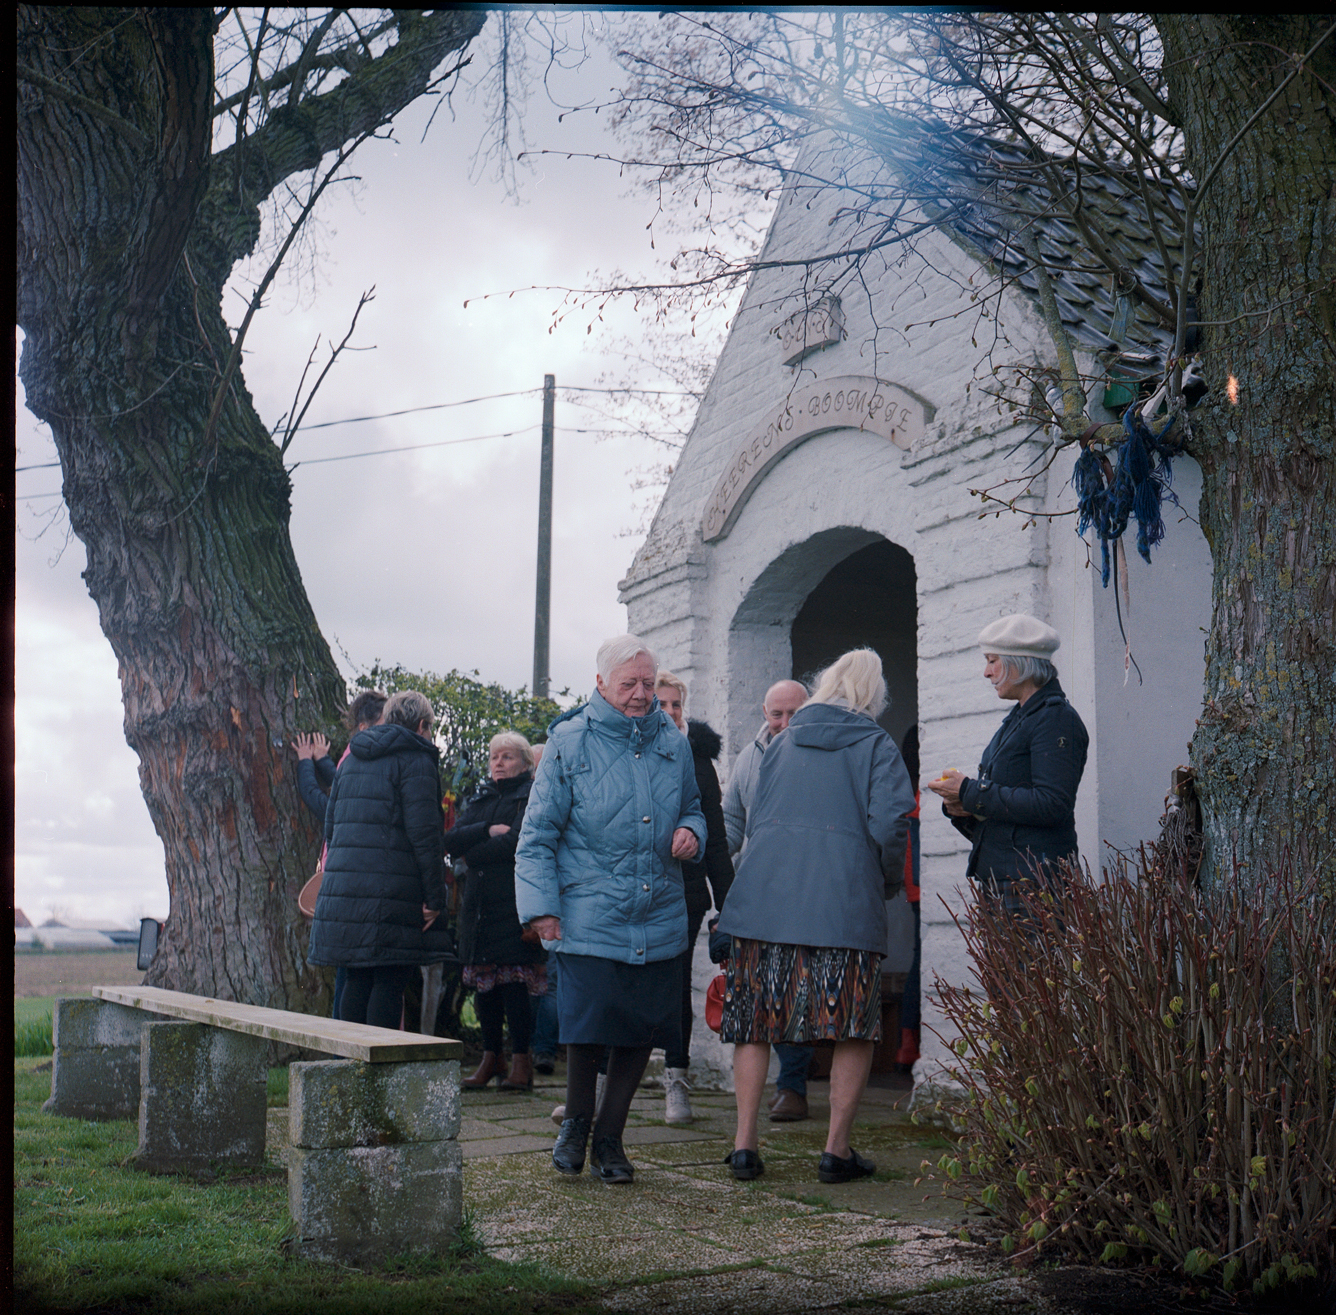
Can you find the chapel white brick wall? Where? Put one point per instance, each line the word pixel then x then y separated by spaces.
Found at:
pixel 720 614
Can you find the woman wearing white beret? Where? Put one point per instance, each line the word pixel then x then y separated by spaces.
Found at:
pixel 1020 811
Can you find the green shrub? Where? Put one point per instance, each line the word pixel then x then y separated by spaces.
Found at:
pixel 1151 1074
pixel 33 1037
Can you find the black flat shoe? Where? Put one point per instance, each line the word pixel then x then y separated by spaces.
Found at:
pixel 568 1155
pixel 832 1169
pixel 608 1161
pixel 745 1165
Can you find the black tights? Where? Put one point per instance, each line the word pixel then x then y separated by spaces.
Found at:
pixel 375 995
pixel 508 1001
pixel 680 1056
pixel 626 1066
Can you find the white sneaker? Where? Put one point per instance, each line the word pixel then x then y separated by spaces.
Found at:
pixel 677 1102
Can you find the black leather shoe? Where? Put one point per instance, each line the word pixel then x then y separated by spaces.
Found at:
pixel 608 1162
pixel 568 1155
pixel 745 1165
pixel 832 1169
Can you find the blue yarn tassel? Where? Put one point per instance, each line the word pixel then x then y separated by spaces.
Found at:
pixel 1141 480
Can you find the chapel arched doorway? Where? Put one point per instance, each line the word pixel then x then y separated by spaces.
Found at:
pixel 867 600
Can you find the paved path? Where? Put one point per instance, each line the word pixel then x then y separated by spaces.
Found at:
pixel 686 1237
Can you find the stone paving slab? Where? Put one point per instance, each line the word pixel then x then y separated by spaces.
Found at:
pixel 660 1134
pixel 686 1237
pixel 491 1147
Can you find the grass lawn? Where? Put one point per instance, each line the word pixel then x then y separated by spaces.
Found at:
pixel 91 1232
pixel 34 1008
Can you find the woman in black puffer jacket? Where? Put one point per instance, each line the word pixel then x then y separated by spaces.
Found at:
pixel 384 884
pixel 503 968
pixel 711 875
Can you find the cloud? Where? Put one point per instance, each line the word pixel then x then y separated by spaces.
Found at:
pixel 425 558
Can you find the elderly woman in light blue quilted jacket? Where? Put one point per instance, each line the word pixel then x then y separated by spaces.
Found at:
pixel 613 811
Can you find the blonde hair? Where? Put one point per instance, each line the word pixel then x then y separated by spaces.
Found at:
pixel 666 677
pixel 512 740
pixel 856 680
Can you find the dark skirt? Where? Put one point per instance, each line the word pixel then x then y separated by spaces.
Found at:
pixel 603 1002
pixel 801 993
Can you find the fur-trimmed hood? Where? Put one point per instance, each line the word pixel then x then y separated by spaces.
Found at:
pixel 705 741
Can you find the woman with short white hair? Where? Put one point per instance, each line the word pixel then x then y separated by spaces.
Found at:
pixel 825 849
pixel 613 812
pixel 1019 812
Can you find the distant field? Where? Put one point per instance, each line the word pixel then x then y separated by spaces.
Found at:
pixel 72 972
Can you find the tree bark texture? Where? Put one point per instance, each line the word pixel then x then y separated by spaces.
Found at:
pixel 127 232
pixel 1265 747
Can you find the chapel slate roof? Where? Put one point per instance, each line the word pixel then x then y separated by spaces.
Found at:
pixel 989 186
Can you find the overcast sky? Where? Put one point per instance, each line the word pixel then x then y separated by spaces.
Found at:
pixel 422 557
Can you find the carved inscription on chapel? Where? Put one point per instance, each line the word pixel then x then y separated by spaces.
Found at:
pixel 816 326
pixel 848 402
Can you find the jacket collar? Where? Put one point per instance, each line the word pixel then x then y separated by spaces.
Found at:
pixel 637 731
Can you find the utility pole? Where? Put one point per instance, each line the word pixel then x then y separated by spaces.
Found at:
pixel 542 617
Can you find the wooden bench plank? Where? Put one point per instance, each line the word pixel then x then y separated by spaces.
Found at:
pixel 330 1036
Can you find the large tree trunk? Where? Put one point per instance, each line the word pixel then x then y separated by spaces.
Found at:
pixel 1265 748
pixel 125 243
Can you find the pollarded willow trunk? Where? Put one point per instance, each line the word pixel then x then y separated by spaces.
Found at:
pixel 128 230
pixel 189 559
pixel 1265 748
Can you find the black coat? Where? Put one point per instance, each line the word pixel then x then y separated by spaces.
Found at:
pixel 1024 798
pixel 714 866
pixel 489 928
pixel 386 858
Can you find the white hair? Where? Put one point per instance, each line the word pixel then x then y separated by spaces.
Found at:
pixel 854 680
pixel 619 650
pixel 1022 667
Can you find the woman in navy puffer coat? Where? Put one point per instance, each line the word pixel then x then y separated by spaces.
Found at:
pixel 384 880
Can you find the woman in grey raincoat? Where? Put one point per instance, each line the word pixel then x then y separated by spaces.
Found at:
pixel 807 910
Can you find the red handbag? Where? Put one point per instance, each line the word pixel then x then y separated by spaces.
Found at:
pixel 714 1002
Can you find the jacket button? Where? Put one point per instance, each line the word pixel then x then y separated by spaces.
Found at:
pixel 644 819
pixel 637 755
pixel 640 951
pixel 644 888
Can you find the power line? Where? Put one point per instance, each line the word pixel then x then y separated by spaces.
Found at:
pixel 436 406
pixel 621 392
pixel 413 410
pixel 491 397
pixel 412 447
pixel 451 442
pixel 442 406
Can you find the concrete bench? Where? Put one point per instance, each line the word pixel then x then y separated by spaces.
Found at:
pixel 374 1167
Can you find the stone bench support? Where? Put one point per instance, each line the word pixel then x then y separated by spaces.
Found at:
pixel 203 1097
pixel 96 1061
pixel 375 1169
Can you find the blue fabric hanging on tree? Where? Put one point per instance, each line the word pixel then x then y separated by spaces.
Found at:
pixel 1107 498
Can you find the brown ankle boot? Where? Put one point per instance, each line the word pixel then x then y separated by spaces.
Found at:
pixel 520 1077
pixel 491 1067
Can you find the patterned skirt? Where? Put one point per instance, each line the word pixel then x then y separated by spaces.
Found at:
pixel 800 994
pixel 484 977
